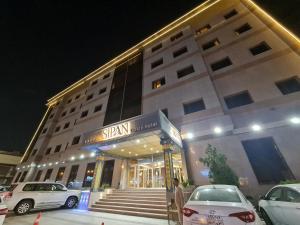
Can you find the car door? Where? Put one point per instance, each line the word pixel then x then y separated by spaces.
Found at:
pixel 59 194
pixel 290 206
pixel 42 195
pixel 272 205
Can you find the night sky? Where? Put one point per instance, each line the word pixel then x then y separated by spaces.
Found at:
pixel 47 45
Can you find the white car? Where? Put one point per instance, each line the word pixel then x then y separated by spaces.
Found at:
pixel 219 205
pixel 281 205
pixel 3 211
pixel 22 197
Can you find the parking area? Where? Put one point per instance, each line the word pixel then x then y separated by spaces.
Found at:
pixel 81 217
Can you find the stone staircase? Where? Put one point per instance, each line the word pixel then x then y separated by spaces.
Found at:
pixel 135 202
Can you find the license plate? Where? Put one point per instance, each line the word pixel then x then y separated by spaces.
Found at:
pixel 214 220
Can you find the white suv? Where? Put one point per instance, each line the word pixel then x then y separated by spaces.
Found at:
pixel 22 197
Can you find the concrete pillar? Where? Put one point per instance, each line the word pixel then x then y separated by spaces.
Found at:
pixel 124 174
pixel 98 173
pixel 31 173
pixel 166 147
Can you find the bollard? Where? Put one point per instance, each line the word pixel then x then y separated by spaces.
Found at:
pixel 38 218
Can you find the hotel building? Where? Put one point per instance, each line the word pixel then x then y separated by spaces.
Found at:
pixel 226 74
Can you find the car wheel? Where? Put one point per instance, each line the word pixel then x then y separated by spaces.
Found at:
pixel 71 202
pixel 23 207
pixel 266 217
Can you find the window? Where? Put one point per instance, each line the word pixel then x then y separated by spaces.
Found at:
pixel 60 174
pixel 73 175
pixel 211 44
pixel 89 174
pixel 43 187
pixel 194 106
pixel 102 90
pixel 76 140
pixel 266 160
pixel 48 174
pixel 44 130
pixel 94 82
pixel 176 36
pixel 97 108
pixel 51 116
pixel 275 194
pixel 260 48
pixel 77 96
pixel 216 195
pixel 157 63
pixel 48 151
pixel 203 29
pixel 232 13
pixel 84 114
pixel 165 111
pixel 179 52
pixel 89 97
pixel 64 113
pixel 157 47
pixel 38 176
pixel 66 125
pixel 72 109
pixel 29 187
pixel 242 29
pixel 292 196
pixel 57 148
pixel 221 64
pixel 106 76
pixel 57 129
pixel 34 151
pixel 69 101
pixel 238 100
pixel 23 176
pixel 289 86
pixel 158 83
pixel 185 71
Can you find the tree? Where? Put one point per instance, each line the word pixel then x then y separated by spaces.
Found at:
pixel 219 170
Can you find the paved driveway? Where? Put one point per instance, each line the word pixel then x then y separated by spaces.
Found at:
pixel 81 217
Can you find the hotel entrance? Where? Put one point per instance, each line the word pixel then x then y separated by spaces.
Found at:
pixel 147 150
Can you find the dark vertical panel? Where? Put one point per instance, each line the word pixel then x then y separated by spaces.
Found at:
pixel 107 173
pixel 133 90
pixel 125 97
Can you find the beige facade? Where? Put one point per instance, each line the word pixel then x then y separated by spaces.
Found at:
pixel 8 162
pixel 234 27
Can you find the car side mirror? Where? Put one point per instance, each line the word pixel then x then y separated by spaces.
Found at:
pixel 262 197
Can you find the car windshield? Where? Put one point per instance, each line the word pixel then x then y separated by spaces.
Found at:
pixel 215 195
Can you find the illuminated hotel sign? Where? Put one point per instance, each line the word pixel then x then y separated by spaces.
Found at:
pixel 116 131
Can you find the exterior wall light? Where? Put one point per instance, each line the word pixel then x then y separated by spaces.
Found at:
pixel 218 130
pixel 81 156
pixel 44 165
pixel 93 154
pixel 50 164
pixel 56 163
pixel 138 141
pixel 190 135
pixel 295 120
pixel 114 146
pixel 256 127
pixel 72 158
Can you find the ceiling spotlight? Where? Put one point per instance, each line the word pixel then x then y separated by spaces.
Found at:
pixel 136 154
pixel 218 130
pixel 256 127
pixel 44 165
pixel 157 151
pixel 50 164
pixel 129 153
pixel 145 146
pixel 114 146
pixel 93 154
pixel 82 156
pixel 122 150
pixel 151 149
pixel 190 135
pixel 295 120
pixel 72 158
pixel 56 163
pixel 38 166
pixel 138 141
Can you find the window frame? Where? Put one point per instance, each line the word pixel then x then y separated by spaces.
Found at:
pixel 155 83
pixel 187 105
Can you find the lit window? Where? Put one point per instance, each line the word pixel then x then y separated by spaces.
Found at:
pixel 158 83
pixel 204 29
pixel 211 44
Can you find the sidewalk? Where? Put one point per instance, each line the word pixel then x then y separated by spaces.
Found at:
pixel 82 217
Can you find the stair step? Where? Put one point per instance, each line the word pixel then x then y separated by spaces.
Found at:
pixel 134 204
pixel 135 209
pixel 146 198
pixel 131 213
pixel 163 202
pixel 138 194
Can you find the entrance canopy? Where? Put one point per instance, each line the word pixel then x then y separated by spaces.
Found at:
pixel 137 136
